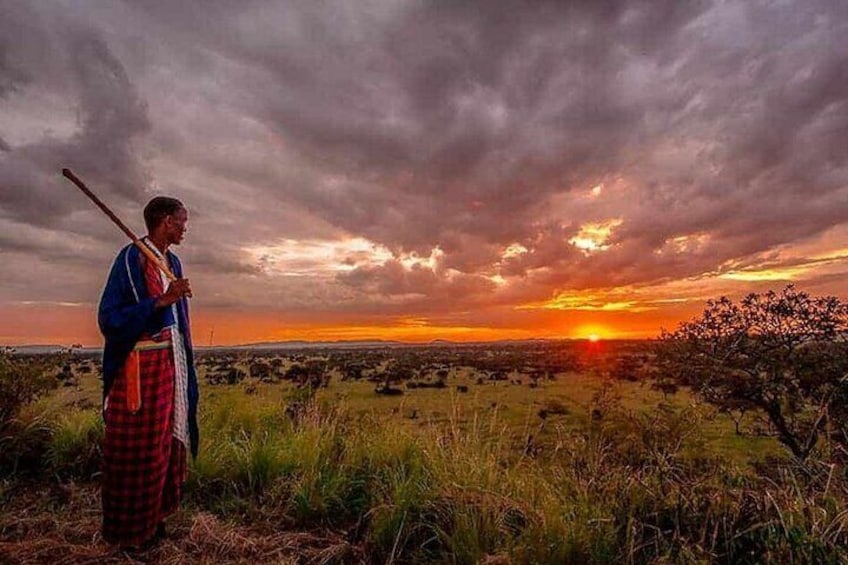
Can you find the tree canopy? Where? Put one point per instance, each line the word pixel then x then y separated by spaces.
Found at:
pixel 780 354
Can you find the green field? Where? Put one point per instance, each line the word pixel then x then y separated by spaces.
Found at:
pixel 581 467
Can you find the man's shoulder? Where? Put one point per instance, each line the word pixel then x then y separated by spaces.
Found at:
pixel 125 251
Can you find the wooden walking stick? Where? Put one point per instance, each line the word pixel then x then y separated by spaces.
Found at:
pixel 117 221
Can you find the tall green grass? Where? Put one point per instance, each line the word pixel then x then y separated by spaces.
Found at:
pixel 74 446
pixel 628 487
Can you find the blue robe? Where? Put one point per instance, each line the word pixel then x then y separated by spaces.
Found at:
pixel 127 311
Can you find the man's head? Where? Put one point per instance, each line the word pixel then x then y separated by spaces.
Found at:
pixel 166 219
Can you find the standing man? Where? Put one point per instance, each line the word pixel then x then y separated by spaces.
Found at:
pixel 149 383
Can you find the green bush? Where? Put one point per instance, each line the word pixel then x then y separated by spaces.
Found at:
pixel 73 450
pixel 23 444
pixel 21 381
pixel 22 439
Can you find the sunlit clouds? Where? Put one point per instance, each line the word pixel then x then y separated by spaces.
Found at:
pixel 594 237
pixel 415 171
pixel 691 243
pixel 514 250
pixel 326 258
pixel 626 300
pixel 785 274
pixel 303 258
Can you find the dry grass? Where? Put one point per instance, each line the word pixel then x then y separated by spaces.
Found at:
pixel 62 526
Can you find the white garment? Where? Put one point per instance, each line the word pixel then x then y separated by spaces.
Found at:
pixel 180 362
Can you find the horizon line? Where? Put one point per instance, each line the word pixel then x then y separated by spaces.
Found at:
pixel 343 341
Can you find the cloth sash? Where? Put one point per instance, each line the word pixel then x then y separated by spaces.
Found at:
pixel 132 371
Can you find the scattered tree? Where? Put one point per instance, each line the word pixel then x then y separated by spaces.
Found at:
pixel 783 355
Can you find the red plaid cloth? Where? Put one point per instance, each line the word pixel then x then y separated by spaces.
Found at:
pixel 144 466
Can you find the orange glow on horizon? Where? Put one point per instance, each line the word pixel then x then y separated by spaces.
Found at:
pixel 597 332
pixel 622 312
pixel 49 324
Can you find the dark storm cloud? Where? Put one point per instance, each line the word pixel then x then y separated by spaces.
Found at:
pixel 11 78
pixel 58 53
pixel 467 126
pixel 445 117
pixel 463 116
pixel 13 74
pixel 421 111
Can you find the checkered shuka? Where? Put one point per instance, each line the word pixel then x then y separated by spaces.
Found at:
pixel 144 460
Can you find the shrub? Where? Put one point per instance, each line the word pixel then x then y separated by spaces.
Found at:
pixel 73 450
pixel 21 382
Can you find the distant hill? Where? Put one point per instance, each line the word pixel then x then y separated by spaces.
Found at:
pixel 40 349
pixel 35 349
pixel 300 344
pixel 366 344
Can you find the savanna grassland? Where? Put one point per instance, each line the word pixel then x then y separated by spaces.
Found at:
pixel 538 452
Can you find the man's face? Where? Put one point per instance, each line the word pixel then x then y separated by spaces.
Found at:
pixel 175 226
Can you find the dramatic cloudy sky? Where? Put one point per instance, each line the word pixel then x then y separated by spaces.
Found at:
pixel 414 170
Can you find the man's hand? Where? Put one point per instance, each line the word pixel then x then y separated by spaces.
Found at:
pixel 176 290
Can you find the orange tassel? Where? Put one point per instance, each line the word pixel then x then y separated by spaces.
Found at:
pixel 132 372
